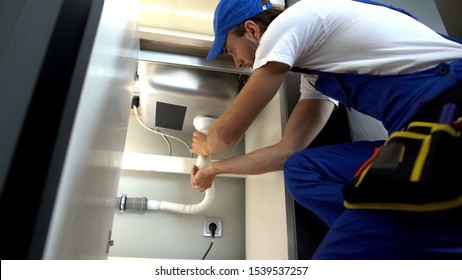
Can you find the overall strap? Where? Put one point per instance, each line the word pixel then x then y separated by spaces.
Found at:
pixel 406 13
pixel 388 6
pixel 301 70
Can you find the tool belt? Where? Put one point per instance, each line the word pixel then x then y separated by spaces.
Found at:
pixel 417 169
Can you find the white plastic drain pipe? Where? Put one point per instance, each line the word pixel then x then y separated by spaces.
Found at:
pixel 202 124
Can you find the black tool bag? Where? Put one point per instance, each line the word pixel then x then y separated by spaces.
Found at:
pixel 418 169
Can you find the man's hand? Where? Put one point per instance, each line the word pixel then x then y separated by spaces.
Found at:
pixel 199 142
pixel 199 178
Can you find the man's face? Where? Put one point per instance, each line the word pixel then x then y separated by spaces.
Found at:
pixel 242 49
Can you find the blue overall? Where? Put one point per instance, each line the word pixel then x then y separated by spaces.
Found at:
pixel 315 177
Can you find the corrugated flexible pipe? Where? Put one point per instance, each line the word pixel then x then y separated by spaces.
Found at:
pixel 202 124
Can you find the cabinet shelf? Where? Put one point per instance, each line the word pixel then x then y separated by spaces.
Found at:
pixel 160 163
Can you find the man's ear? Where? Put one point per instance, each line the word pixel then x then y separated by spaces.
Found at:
pixel 253 29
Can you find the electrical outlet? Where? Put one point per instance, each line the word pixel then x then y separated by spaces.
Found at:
pixel 218 222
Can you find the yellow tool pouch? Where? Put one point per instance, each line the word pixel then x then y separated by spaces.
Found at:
pixel 418 169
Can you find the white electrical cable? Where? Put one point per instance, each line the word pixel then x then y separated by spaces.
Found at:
pixel 164 135
pixel 140 121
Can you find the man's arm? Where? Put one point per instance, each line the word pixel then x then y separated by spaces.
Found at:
pixel 304 124
pixel 229 128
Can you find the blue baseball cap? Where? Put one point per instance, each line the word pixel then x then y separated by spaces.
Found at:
pixel 228 14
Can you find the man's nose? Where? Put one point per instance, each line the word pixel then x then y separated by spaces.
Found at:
pixel 238 62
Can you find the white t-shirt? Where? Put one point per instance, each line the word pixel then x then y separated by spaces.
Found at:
pixel 345 36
